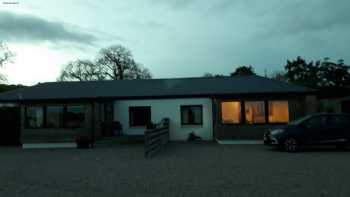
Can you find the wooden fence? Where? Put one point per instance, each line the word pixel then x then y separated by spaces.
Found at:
pixel 156 137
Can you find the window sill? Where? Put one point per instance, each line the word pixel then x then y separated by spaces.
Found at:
pixel 136 127
pixel 191 125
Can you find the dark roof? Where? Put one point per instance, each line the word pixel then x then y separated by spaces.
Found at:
pixel 176 87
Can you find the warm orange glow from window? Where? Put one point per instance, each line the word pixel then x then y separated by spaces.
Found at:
pixel 278 112
pixel 231 112
pixel 254 112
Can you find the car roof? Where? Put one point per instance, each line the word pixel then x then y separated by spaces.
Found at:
pixel 330 114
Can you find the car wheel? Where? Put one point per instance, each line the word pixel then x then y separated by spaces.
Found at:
pixel 291 145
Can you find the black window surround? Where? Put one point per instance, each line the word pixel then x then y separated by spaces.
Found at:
pixel 191 119
pixel 45 124
pixel 139 116
pixel 243 119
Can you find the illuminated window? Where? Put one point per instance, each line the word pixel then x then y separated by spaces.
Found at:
pixel 34 117
pixel 255 112
pixel 278 112
pixel 231 112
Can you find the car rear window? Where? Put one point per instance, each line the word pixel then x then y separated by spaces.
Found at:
pixel 316 122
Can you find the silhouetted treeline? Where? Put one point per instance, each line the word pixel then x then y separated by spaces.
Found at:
pixel 5 87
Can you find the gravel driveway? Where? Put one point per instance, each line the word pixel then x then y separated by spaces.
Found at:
pixel 180 170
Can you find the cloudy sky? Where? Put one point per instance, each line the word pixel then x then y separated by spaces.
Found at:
pixel 173 38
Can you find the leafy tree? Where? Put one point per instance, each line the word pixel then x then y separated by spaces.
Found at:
pixel 319 74
pixel 243 71
pixel 279 75
pixel 5 87
pixel 81 70
pixel 118 63
pixel 301 72
pixel 334 74
pixel 113 63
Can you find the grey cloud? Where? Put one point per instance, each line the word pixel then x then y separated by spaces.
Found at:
pixel 175 4
pixel 300 17
pixel 29 28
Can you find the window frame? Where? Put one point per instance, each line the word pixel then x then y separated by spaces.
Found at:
pixel 65 112
pixel 45 114
pixel 307 121
pixel 266 113
pixel 149 111
pixel 267 110
pixel 62 125
pixel 242 118
pixel 182 107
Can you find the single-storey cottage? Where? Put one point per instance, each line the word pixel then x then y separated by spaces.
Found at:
pixel 240 107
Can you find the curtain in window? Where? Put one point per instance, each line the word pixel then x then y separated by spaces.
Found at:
pixel 35 117
pixel 191 115
pixel 255 112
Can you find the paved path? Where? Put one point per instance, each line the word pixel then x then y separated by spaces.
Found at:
pixel 181 170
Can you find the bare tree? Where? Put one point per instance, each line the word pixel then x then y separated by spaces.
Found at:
pixel 5 56
pixel 207 74
pixel 113 63
pixel 118 64
pixel 81 70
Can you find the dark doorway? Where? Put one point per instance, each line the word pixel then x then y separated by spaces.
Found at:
pixel 10 128
pixel 346 106
pixel 107 119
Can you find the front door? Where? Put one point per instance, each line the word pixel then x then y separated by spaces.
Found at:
pixel 107 119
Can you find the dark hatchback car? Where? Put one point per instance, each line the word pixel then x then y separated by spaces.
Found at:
pixel 316 129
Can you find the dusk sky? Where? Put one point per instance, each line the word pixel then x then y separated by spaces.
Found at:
pixel 173 38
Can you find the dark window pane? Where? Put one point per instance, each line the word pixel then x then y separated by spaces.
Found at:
pixel 54 116
pixel 191 115
pixel 139 116
pixel 316 122
pixel 34 117
pixel 337 121
pixel 75 117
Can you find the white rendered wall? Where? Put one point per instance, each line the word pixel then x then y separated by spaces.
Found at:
pixel 167 108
